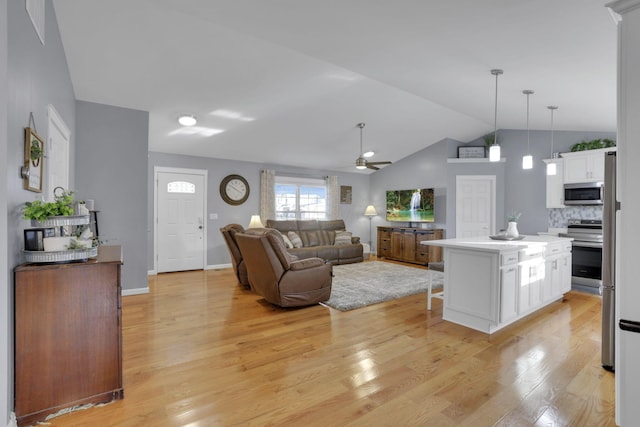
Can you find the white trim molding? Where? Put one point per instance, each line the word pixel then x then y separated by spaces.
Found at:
pixel 623 6
pixel 218 266
pixel 136 291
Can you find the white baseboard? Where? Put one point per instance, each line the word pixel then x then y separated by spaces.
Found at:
pixel 152 273
pixel 136 291
pixel 12 420
pixel 218 266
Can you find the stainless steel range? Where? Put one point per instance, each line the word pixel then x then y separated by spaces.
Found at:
pixel 586 268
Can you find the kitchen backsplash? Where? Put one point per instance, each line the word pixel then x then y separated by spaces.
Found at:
pixel 559 218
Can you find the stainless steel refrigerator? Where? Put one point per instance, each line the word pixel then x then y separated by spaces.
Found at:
pixel 611 206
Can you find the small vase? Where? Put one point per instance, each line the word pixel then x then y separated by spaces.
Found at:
pixel 512 230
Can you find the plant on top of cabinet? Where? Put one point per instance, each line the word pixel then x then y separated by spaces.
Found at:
pixel 593 144
pixel 61 206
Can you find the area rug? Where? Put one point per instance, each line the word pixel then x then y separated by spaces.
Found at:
pixel 366 283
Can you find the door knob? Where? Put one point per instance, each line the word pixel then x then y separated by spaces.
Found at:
pixel 200 227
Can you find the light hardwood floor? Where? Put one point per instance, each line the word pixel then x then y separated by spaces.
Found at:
pixel 201 351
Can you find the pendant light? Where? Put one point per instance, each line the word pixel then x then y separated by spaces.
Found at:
pixel 527 159
pixel 494 149
pixel 551 165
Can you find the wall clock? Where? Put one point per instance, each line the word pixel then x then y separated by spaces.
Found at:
pixel 234 189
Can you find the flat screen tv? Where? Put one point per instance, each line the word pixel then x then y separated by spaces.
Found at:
pixel 416 205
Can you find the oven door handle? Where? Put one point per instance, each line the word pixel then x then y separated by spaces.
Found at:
pixel 587 244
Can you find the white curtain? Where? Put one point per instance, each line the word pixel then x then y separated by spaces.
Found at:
pixel 333 197
pixel 267 195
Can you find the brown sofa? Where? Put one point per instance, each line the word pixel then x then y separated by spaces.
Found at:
pixel 239 267
pixel 277 276
pixel 318 240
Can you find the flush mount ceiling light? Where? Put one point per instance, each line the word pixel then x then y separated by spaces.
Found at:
pixel 551 166
pixel 187 120
pixel 527 159
pixel 368 154
pixel 494 149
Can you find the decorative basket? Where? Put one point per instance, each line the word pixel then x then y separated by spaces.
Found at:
pixel 60 221
pixel 60 256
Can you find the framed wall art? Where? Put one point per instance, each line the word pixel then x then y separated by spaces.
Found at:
pixel 471 152
pixel 345 194
pixel 33 160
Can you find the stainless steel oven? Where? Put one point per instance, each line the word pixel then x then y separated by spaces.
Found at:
pixel 586 254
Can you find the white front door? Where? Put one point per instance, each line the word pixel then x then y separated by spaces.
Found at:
pixel 180 219
pixel 475 205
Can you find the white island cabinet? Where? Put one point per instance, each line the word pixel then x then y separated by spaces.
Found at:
pixel 490 284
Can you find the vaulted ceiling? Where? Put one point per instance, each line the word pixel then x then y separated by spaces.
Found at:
pixel 287 81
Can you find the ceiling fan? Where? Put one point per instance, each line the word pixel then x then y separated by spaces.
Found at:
pixel 361 162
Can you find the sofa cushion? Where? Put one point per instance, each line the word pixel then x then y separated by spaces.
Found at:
pixel 343 238
pixel 309 238
pixel 295 239
pixel 287 242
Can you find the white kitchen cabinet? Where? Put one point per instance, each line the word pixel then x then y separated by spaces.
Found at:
pixel 557 274
pixel 584 166
pixel 555 185
pixel 491 284
pixel 531 276
pixel 509 288
pixel 565 271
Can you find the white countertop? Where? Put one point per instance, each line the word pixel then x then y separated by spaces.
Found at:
pixel 487 244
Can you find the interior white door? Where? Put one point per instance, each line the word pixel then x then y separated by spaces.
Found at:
pixel 57 163
pixel 180 221
pixel 475 205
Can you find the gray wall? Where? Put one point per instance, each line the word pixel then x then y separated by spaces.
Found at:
pixel 425 169
pixel 516 189
pixel 525 190
pixel 217 253
pixel 37 75
pixel 111 169
pixel 6 317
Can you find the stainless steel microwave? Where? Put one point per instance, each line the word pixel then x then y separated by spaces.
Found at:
pixel 584 193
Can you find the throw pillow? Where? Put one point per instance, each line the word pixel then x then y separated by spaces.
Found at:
pixel 287 242
pixel 343 238
pixel 295 239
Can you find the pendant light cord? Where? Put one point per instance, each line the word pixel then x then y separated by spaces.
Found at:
pixel 552 108
pixel 528 92
pixel 495 111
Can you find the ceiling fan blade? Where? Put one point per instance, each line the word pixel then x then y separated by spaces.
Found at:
pixel 378 163
pixel 370 166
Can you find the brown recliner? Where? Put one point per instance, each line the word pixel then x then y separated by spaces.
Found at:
pixel 239 267
pixel 279 278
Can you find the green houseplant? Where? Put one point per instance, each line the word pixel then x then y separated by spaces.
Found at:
pixel 594 144
pixel 61 206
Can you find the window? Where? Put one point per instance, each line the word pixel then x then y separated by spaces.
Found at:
pixel 181 187
pixel 300 198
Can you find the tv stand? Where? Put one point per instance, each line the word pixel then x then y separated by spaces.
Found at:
pixel 403 244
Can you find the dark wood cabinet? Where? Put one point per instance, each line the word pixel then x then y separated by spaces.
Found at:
pixel 68 345
pixel 404 244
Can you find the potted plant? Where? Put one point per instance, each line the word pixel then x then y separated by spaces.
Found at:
pixel 41 211
pixel 593 144
pixel 512 226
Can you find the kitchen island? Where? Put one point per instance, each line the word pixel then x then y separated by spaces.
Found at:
pixel 490 284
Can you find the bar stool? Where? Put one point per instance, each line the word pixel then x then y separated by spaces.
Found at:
pixel 435 273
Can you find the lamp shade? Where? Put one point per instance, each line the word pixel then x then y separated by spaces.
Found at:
pixel 370 211
pixel 494 153
pixel 255 222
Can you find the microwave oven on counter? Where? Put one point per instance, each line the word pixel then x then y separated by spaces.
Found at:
pixel 584 193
